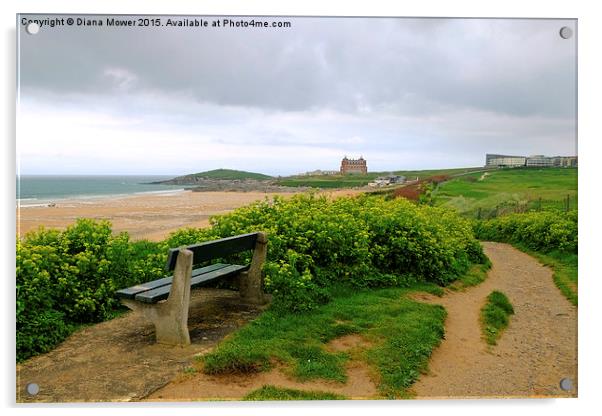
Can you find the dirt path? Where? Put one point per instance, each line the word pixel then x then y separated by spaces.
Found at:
pixel 535 352
pixel 118 360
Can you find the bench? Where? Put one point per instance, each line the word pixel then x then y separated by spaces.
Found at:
pixel 165 301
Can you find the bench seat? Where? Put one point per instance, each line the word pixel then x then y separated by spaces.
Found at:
pixel 166 301
pixel 157 290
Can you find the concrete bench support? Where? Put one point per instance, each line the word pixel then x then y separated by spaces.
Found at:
pixel 251 281
pixel 171 316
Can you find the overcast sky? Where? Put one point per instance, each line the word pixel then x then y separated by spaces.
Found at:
pixel 402 93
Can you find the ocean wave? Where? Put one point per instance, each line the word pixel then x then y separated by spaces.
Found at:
pixel 165 192
pixel 20 204
pixel 89 199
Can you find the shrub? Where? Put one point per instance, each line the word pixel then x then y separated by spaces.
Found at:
pixel 354 240
pixel 315 244
pixel 40 332
pixel 69 278
pixel 293 291
pixel 543 231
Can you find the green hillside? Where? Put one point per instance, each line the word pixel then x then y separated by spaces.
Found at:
pixel 350 181
pixel 422 174
pixel 531 187
pixel 230 174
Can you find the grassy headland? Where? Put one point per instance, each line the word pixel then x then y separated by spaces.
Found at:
pixel 531 188
pixel 230 174
pixel 218 174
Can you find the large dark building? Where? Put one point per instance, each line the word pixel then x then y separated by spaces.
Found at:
pixel 354 166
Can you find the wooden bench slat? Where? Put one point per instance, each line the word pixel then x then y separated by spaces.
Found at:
pixel 214 249
pixel 131 292
pixel 160 293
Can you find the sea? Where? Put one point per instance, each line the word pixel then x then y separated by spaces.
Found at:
pixel 42 190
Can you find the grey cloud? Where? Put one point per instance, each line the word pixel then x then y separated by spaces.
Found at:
pixel 409 66
pixel 413 93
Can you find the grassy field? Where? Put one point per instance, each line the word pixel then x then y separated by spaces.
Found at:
pixel 400 335
pixel 422 174
pixel 509 188
pixel 351 181
pixel 328 181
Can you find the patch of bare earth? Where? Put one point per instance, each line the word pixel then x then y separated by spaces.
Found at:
pixel 347 343
pixel 360 380
pixel 118 360
pixel 534 353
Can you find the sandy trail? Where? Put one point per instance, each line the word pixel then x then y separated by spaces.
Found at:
pixel 535 352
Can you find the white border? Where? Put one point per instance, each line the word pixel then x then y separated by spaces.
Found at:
pixel 589 136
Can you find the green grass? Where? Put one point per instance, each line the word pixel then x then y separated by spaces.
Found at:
pixel 350 181
pixel 495 316
pixel 565 268
pixel 328 181
pixel 509 187
pixel 401 333
pixel 273 393
pixel 190 370
pixel 422 174
pixel 475 276
pixel 229 174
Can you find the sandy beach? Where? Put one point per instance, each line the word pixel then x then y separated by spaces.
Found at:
pixel 147 216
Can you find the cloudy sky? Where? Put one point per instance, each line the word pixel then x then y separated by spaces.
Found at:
pixel 403 93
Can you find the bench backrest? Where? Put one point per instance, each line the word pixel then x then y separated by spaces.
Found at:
pixel 214 249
